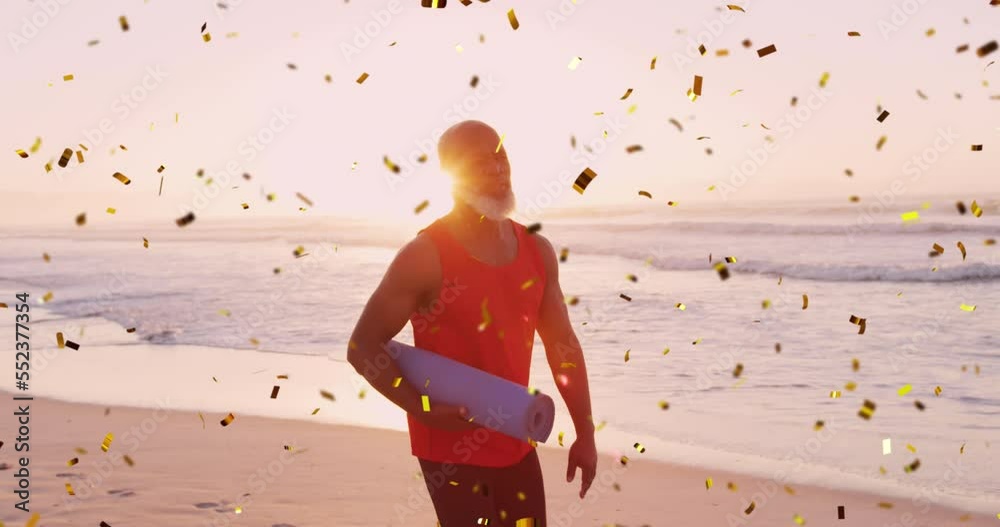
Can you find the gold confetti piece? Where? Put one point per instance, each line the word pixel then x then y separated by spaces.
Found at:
pixel 976 210
pixel 625 297
pixel 835 394
pixel 672 203
pixel 920 406
pixel 69 490
pixel 274 392
pixel 631 150
pixel 111 210
pixel 738 370
pixel 977 148
pixel 753 505
pixel 805 301
pixel 575 61
pixel 789 490
pixel 910 216
pixel 640 448
pixel 435 4
pixel 853 34
pixel 732 7
pixel 185 220
pixel 121 177
pixel 227 420
pixel 867 409
pixel 987 48
pixel 123 22
pixel 746 43
pixel 421 206
pixel 573 300
pixel 912 466
pixel 681 306
pixel 22 153
pixel 905 389
pixel 390 165
pixel 886 446
pixel 664 405
pixel 881 142
pixel 72 462
pixel 911 448
pixel 362 78
pixel 931 32
pixel 207 37
pixel 968 308
pixel 818 425
pixel 676 123
pixel 938 249
pixel 60 342
pixel 732 486
pixel 722 270
pixel 722 53
pixel 765 51
pixel 777 347
pixel 885 505
pixel 627 93
pixel 692 95
pixel 513 20
pixel 799 519
pixel 66 156
pixel 652 64
pixel 304 199
pixel 765 304
pixel 697 85
pixel 708 483
pixel 882 116
pixel 425 402
pixel 202 417
pixel 106 444
pixel 238 509
pixel 36 145
pixel 500 144
pixel 937 390
pixel 128 460
pixel 327 395
pixel 702 50
pixel 824 79
pixel 850 386
pixel 585 177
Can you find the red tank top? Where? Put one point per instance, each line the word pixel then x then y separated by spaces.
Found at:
pixel 500 343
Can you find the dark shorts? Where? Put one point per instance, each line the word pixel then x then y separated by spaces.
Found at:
pixel 465 494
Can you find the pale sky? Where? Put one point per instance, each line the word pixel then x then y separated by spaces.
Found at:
pixel 231 88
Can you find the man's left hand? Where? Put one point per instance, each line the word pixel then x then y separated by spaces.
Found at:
pixel 583 455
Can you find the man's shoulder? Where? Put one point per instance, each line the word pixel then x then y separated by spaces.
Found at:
pixel 420 251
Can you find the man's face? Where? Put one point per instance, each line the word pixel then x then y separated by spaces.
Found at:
pixel 485 173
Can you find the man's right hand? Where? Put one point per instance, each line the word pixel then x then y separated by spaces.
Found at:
pixel 446 417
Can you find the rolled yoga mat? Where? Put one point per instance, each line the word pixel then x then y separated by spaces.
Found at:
pixel 492 401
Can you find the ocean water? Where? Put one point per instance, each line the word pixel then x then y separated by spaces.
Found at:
pixel 214 284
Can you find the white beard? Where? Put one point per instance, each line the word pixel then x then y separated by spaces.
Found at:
pixel 494 209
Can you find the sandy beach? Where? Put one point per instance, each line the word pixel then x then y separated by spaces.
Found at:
pixel 194 473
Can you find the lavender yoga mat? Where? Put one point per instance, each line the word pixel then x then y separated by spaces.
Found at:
pixel 492 401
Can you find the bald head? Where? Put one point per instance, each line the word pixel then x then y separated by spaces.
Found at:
pixel 468 151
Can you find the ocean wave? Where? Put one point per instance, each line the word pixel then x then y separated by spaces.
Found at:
pixel 785 229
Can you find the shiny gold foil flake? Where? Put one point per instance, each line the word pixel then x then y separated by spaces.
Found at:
pixel 967 308
pixel 627 93
pixel 106 444
pixel 664 405
pixel 584 179
pixel 851 386
pixel 626 354
pixel 881 142
pixel 723 271
pixel 867 410
pixel 575 62
pixel 750 508
pixel 882 116
pixel 912 466
pixel 512 18
pixel 818 425
pixel 765 304
pixel 905 389
pixel 652 64
pixel 123 22
pixel 853 34
pixel 835 394
pixel 362 78
pixel 681 306
pixel 708 483
pixel 860 322
pixel 765 51
pixel 640 448
pixel 805 301
pixel 738 370
pixel 977 211
pixel 128 460
pixel 798 519
pixel 121 177
pixel 226 421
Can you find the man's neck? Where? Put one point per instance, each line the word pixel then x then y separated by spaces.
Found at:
pixel 474 224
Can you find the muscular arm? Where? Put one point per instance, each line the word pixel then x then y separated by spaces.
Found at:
pixel 562 346
pixel 413 275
